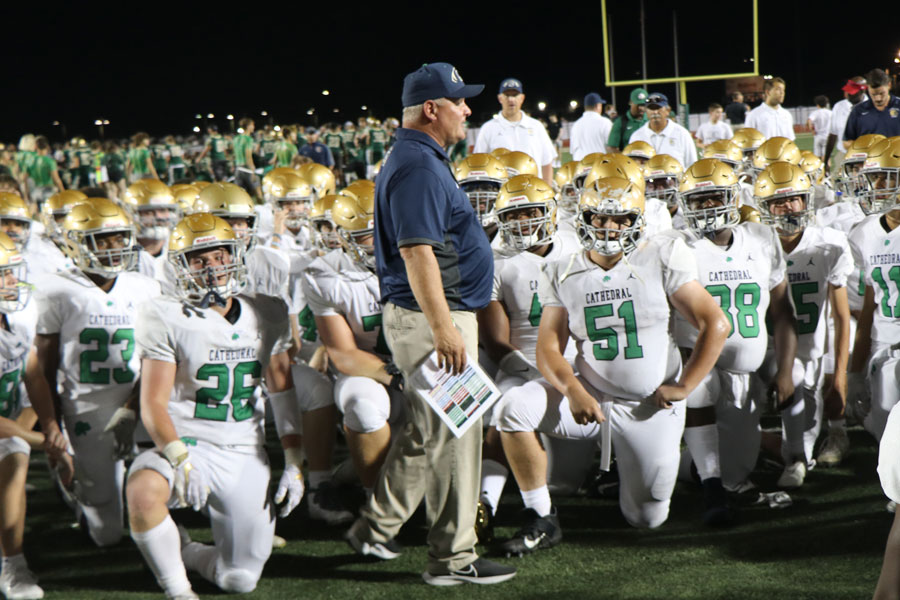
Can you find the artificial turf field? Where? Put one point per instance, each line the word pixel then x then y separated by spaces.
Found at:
pixel 828 545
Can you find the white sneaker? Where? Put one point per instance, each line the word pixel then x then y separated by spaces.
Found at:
pixel 836 445
pixel 793 475
pixel 20 584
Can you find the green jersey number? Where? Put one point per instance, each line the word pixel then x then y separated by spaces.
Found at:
pixel 9 393
pixel 606 346
pixel 100 339
pixel 211 401
pixel 807 312
pixel 534 315
pixel 307 323
pixel 746 305
pixel 893 275
pixel 371 323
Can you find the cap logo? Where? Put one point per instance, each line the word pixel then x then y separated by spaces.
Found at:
pixel 785 190
pixel 641 95
pixel 454 76
pixel 205 239
pixel 517 199
pixel 704 184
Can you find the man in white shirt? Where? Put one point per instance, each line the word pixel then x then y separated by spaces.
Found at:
pixel 819 121
pixel 854 93
pixel 770 118
pixel 666 136
pixel 715 129
pixel 514 130
pixel 590 132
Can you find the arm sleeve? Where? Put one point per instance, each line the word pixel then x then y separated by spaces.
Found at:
pixel 418 205
pixel 152 335
pixel 315 298
pixel 679 265
pixel 843 266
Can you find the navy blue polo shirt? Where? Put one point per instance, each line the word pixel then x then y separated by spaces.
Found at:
pixel 417 201
pixel 865 119
pixel 318 152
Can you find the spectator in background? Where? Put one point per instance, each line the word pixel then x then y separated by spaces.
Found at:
pixel 627 124
pixel 737 110
pixel 854 93
pixel 819 121
pixel 611 112
pixel 316 150
pixel 715 129
pixel 770 118
pixel 590 132
pixel 554 128
pixel 666 136
pixel 879 114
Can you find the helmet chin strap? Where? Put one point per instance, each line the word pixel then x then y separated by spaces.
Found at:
pixel 212 296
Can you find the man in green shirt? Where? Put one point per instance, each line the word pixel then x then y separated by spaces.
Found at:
pixel 286 149
pixel 43 173
pixel 216 146
pixel 267 148
pixel 628 123
pixel 245 169
pixel 139 164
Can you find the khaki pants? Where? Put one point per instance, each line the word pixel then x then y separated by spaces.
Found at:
pixel 426 460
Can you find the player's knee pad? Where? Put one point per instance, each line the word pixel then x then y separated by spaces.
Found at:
pixel 648 515
pixel 517 411
pixel 365 404
pixel 236 581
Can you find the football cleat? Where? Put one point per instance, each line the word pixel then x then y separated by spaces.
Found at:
pixel 20 584
pixel 793 475
pixel 537 534
pixel 834 448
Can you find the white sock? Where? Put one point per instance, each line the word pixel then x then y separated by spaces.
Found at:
pixel 703 441
pixel 12 563
pixel 161 548
pixel 837 424
pixel 316 478
pixel 202 559
pixel 538 500
pixel 493 478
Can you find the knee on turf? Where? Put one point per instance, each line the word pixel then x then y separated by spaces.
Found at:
pixel 648 515
pixel 236 581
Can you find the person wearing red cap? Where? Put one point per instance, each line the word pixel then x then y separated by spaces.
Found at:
pixel 854 93
pixel 879 114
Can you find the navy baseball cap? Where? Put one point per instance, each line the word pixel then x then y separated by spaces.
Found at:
pixel 593 99
pixel 511 84
pixel 657 98
pixel 436 80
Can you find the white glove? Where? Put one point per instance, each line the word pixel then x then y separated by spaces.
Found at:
pixel 122 425
pixel 191 487
pixel 290 486
pixel 515 364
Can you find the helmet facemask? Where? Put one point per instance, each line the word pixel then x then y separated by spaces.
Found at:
pixel 296 210
pixel 244 227
pixel 326 237
pixel 791 222
pixel 608 241
pixel 568 198
pixel 17 228
pixel 482 194
pixel 155 222
pixel 201 283
pixel 709 220
pixel 535 229
pixel 15 291
pixel 97 252
pixel 880 186
pixel 360 249
pixel 662 187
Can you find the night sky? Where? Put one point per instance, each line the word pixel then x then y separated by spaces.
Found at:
pixel 152 67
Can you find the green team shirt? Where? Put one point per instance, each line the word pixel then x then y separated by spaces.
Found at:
pixel 42 170
pixel 335 142
pixel 139 158
pixel 176 155
pixel 25 159
pixel 85 158
pixel 241 144
pixel 348 137
pixel 217 147
pixel 378 139
pixel 617 138
pixel 159 157
pixel 284 153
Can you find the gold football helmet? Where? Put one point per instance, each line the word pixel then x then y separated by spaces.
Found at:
pixel 640 152
pixel 269 177
pixel 661 176
pixel 708 196
pixel 850 182
pixel 98 235
pixel 748 140
pixel 775 149
pixel 292 193
pixel 208 259
pixel 498 152
pixel 748 213
pixel 778 189
pixel 200 184
pixel 526 212
pixel 726 151
pixel 480 177
pixel 813 166
pixel 615 165
pixel 564 178
pixel 55 209
pixel 185 195
pixel 153 208
pixel 355 220
pixel 325 237
pixel 519 163
pixel 15 220
pixel 14 288
pixel 880 177
pixel 613 198
pixel 319 177
pixel 231 203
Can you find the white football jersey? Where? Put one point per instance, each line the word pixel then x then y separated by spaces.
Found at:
pixel 619 318
pixel 268 270
pixel 516 277
pixel 217 395
pixel 877 252
pixel 844 216
pixel 15 343
pixel 43 258
pixel 739 277
pixel 306 321
pixel 821 258
pixel 96 335
pixel 657 215
pixel 336 285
